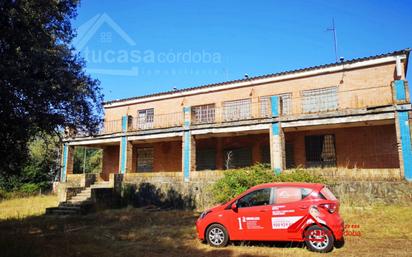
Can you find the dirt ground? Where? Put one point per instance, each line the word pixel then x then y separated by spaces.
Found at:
pixel 377 231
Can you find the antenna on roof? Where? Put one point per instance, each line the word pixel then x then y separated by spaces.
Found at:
pixel 335 40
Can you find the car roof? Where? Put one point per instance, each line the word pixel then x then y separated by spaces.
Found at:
pixel 316 186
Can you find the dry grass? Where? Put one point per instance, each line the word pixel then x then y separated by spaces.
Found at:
pixel 19 208
pixel 386 231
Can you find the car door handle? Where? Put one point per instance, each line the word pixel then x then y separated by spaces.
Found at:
pixel 303 206
pixel 262 210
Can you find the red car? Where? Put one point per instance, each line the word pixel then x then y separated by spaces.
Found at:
pixel 300 212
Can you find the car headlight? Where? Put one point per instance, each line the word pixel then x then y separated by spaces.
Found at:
pixel 204 214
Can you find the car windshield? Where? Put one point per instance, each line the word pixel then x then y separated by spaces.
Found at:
pixel 328 194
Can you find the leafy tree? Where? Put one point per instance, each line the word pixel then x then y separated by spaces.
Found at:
pixel 87 160
pixel 43 85
pixel 40 168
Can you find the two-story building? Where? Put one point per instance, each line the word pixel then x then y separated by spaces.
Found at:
pixel 350 114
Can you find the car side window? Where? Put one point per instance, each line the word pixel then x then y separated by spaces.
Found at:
pixel 289 194
pixel 255 198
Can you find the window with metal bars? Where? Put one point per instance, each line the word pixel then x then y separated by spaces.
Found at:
pixel 206 159
pixel 145 118
pixel 286 105
pixel 320 99
pixel 289 155
pixel 265 154
pixel 237 158
pixel 203 113
pixel 145 159
pixel 237 110
pixel 320 151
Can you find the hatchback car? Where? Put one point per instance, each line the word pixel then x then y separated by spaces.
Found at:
pixel 299 212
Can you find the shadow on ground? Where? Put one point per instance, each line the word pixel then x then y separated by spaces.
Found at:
pixel 148 194
pixel 122 232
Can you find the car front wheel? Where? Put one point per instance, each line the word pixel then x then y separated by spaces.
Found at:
pixel 216 235
pixel 319 239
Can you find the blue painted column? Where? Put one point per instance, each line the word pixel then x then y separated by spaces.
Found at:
pixel 403 128
pixel 66 161
pixel 123 146
pixel 63 172
pixel 276 138
pixel 188 146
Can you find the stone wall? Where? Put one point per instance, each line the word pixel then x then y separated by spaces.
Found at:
pixel 342 174
pixel 369 192
pixel 80 180
pixel 169 190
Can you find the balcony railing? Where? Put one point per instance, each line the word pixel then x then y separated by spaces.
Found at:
pixel 319 101
pixel 158 121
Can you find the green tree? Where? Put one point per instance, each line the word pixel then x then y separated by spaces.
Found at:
pixel 43 85
pixel 87 160
pixel 41 166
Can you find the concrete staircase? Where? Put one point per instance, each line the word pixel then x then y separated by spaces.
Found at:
pixel 81 203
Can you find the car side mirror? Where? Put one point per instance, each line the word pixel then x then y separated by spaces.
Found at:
pixel 234 207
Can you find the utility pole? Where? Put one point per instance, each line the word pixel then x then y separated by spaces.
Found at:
pixel 335 40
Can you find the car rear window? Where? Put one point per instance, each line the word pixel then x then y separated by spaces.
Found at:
pixel 328 194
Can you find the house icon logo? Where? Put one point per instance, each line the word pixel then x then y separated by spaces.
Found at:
pixel 107 58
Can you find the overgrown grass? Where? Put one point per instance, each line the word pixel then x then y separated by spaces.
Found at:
pixel 19 208
pixel 386 230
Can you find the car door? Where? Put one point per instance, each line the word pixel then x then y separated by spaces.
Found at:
pixel 251 219
pixel 289 207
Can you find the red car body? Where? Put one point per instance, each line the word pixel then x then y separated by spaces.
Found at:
pixel 285 216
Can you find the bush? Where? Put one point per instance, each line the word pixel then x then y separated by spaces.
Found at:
pixel 234 182
pixel 3 194
pixel 30 188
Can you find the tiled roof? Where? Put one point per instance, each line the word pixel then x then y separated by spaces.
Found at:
pixel 395 53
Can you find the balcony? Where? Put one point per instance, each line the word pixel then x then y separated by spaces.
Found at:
pixel 312 101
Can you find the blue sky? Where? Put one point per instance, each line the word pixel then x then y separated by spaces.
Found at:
pixel 145 47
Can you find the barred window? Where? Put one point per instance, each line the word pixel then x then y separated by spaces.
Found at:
pixel 320 151
pixel 145 118
pixel 286 105
pixel 237 158
pixel 320 99
pixel 144 159
pixel 203 113
pixel 237 110
pixel 205 159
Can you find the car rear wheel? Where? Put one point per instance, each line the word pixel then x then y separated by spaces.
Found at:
pixel 319 239
pixel 216 235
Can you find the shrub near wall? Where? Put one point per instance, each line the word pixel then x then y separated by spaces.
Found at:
pixel 235 182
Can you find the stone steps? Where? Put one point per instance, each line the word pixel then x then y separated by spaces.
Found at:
pixel 81 203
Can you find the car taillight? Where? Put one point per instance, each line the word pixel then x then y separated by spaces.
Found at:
pixel 330 207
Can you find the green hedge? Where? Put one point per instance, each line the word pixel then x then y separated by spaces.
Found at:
pixel 234 182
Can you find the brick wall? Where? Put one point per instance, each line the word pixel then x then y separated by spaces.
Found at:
pixel 361 147
pixel 110 161
pixel 167 156
pixel 377 76
pixel 253 141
